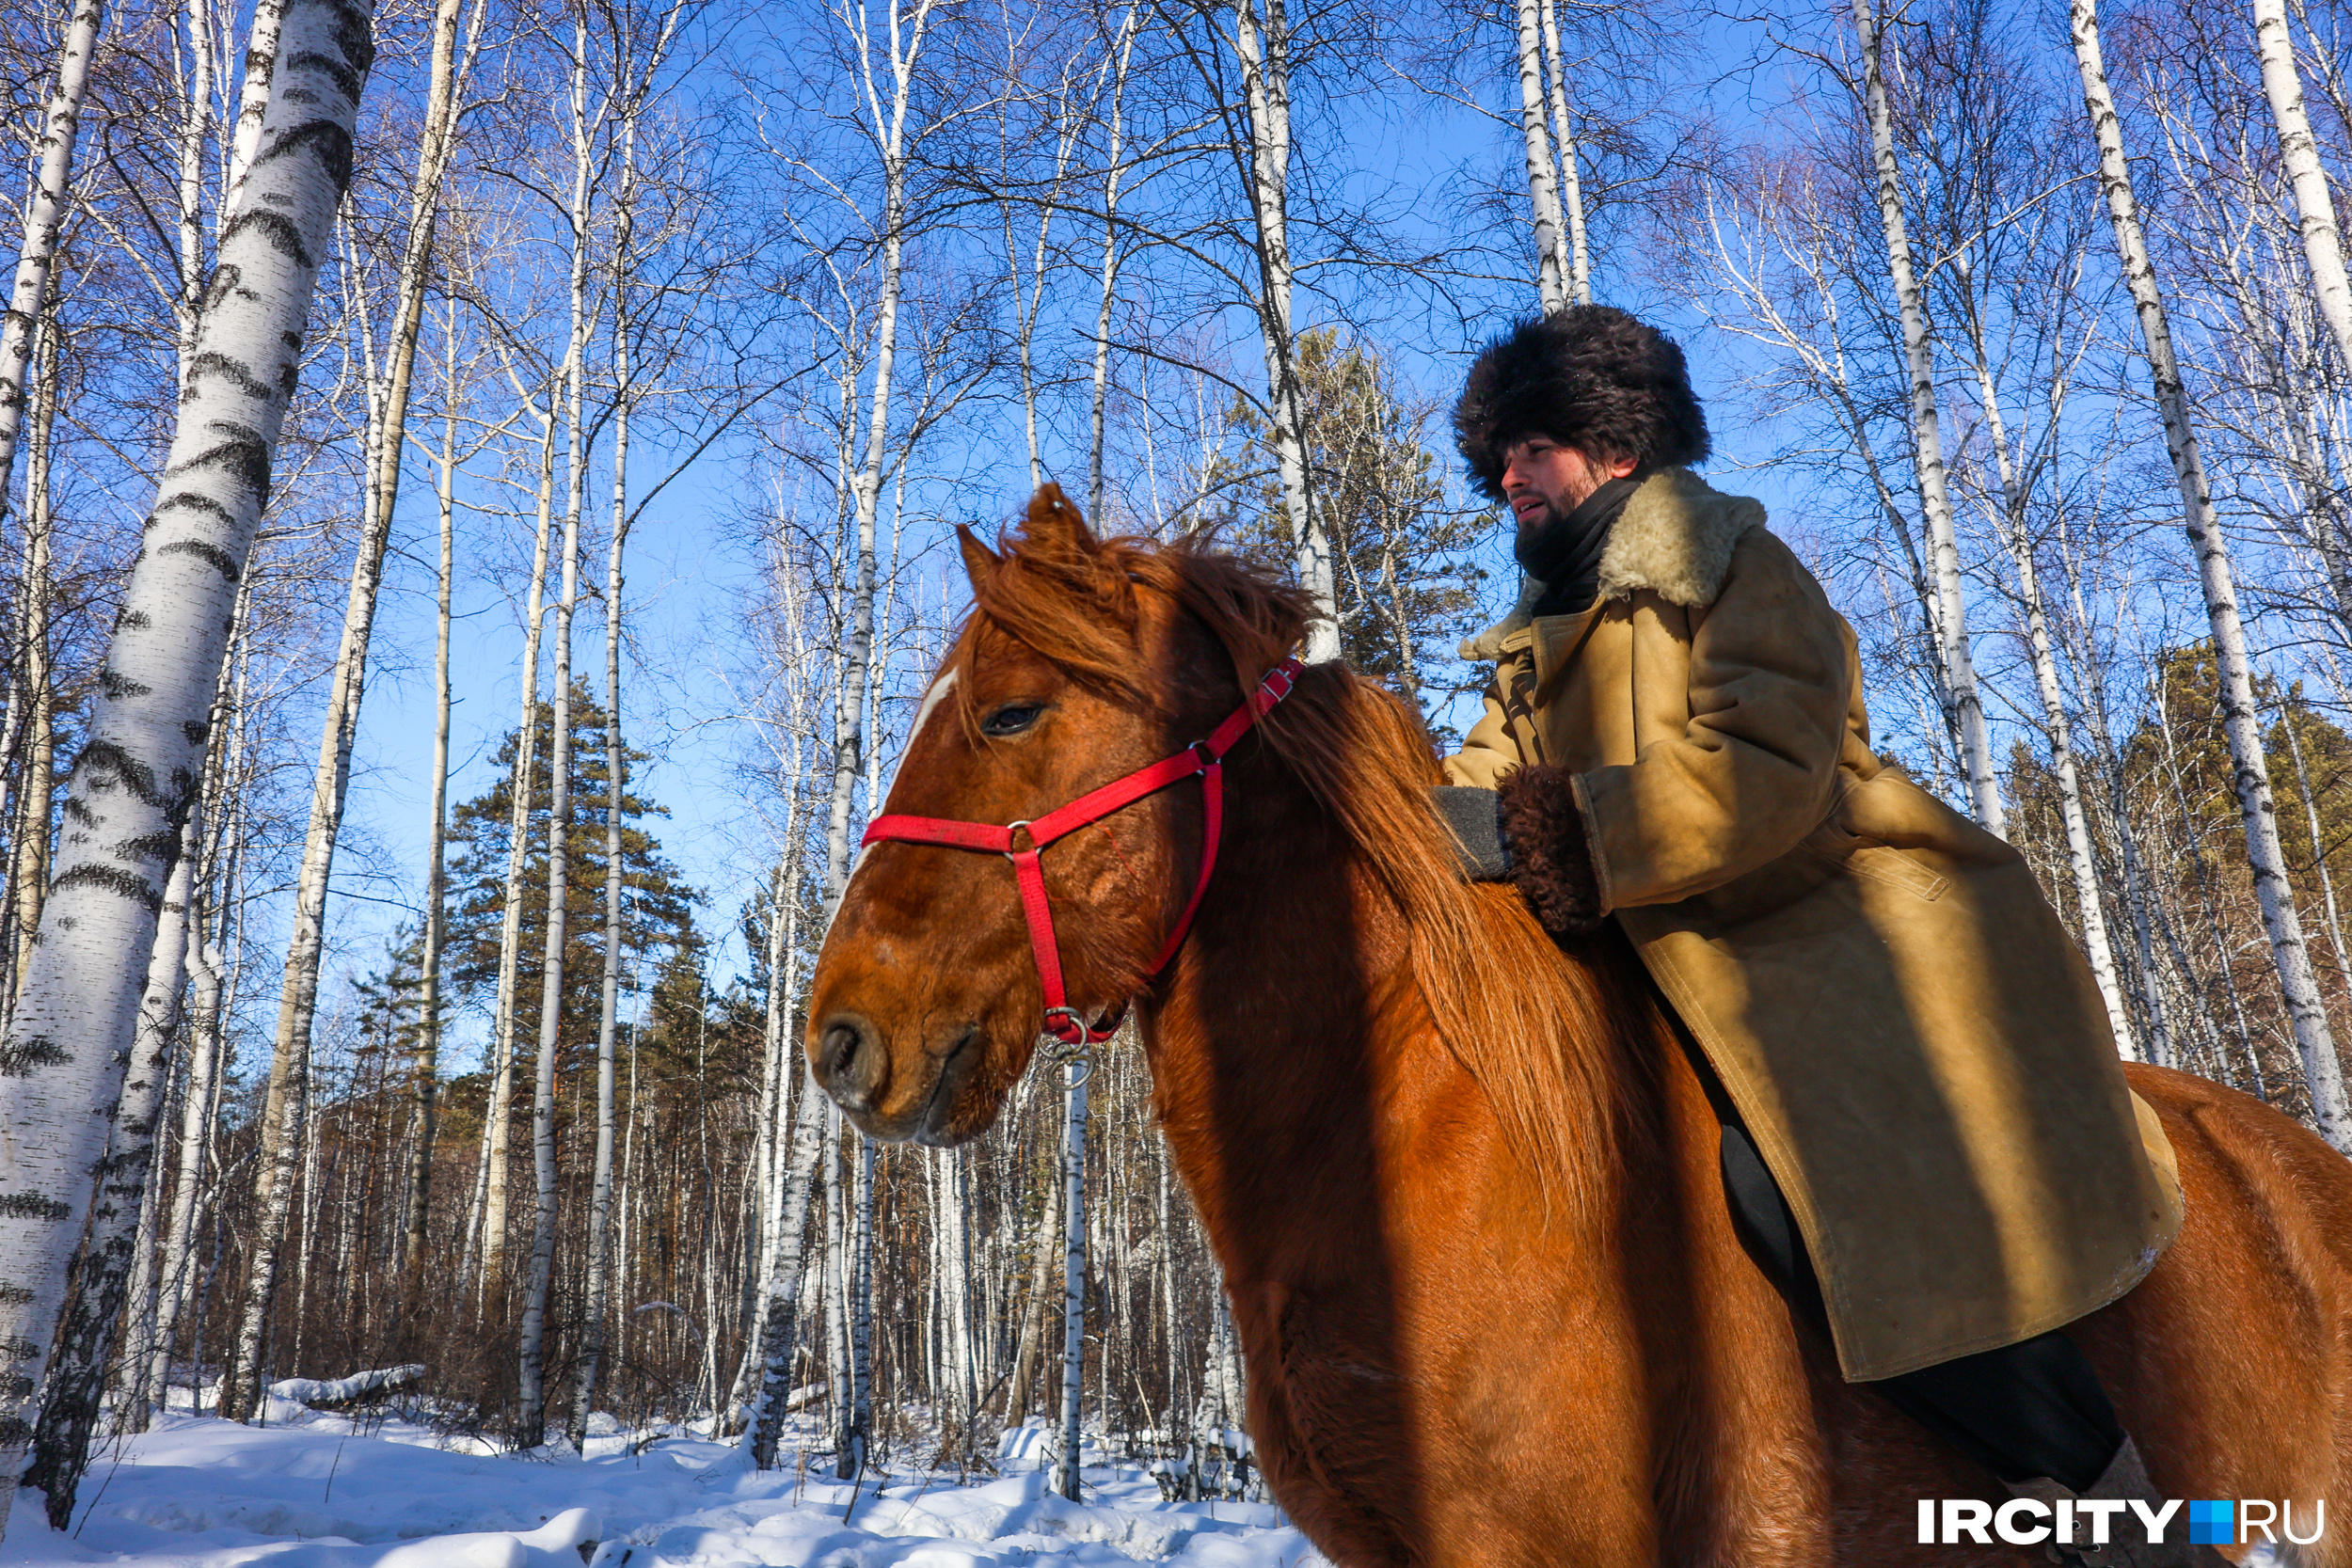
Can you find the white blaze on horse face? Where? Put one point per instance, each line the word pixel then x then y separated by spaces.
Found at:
pixel 932 699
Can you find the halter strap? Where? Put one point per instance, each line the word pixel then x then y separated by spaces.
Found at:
pixel 1203 759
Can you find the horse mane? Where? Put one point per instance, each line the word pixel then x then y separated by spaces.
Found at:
pixel 1545 1033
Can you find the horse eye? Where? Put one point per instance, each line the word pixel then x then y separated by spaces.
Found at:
pixel 1010 720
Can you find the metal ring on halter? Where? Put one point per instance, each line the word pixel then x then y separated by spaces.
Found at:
pixel 1011 828
pixel 1063 1050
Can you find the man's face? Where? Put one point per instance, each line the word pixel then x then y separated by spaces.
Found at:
pixel 1543 480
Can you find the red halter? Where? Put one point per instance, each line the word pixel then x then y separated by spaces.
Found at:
pixel 1203 759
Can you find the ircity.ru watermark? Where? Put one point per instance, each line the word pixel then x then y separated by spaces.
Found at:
pixel 2029 1522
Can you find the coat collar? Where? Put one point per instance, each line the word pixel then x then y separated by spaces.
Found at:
pixel 1673 538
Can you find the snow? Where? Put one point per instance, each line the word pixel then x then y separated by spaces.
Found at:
pixel 362 1491
pixel 310 1390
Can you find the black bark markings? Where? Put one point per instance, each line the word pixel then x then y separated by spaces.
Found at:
pixel 22 1061
pixel 205 550
pixel 114 879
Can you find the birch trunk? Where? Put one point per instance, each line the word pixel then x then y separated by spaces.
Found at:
pixel 62 1066
pixel 1571 176
pixel 198 1109
pixel 263 42
pixel 36 786
pixel 615 769
pixel 862 1324
pixel 44 221
pixel 424 1070
pixel 499 1127
pixel 531 1423
pixel 1074 1272
pixel 2315 208
pixel 298 997
pixel 1935 504
pixel 195 125
pixel 1543 196
pixel 1264 55
pixel 2082 862
pixel 77 1373
pixel 2250 770
pixel 779 1331
pixel 1098 404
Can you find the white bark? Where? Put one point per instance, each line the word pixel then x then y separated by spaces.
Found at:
pixel 263 44
pixel 778 1330
pixel 615 771
pixel 1264 51
pixel 1543 193
pixel 1935 504
pixel 425 1069
pixel 530 1424
pixel 44 221
pixel 61 1068
pixel 71 1394
pixel 1112 175
pixel 1074 1274
pixel 2250 772
pixel 522 784
pixel 36 782
pixel 2315 207
pixel 1571 176
pixel 2082 861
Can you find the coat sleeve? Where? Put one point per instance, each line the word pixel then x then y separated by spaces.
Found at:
pixel 1755 769
pixel 1493 746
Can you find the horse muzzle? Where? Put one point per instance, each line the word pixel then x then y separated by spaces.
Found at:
pixel 853 1063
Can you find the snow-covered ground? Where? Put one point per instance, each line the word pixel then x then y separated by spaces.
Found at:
pixel 327 1491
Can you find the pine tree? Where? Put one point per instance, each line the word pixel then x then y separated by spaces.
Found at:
pixel 658 914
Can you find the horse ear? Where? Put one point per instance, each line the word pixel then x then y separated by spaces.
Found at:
pixel 1053 521
pixel 978 560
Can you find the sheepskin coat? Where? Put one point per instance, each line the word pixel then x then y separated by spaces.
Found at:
pixel 1907 1031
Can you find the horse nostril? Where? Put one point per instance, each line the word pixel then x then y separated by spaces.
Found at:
pixel 848 1060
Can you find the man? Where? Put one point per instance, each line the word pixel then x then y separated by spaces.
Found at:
pixel 1928 1141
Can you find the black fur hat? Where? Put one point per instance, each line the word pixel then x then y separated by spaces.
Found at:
pixel 1589 376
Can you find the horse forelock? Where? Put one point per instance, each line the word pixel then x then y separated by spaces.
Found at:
pixel 1549 1037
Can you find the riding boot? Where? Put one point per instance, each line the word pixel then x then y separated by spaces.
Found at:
pixel 2125 1479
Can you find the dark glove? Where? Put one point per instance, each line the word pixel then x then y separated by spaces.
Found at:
pixel 1473 818
pixel 1551 859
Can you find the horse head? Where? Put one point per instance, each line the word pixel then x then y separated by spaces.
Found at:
pixel 1082 660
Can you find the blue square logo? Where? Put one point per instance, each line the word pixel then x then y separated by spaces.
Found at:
pixel 2212 1524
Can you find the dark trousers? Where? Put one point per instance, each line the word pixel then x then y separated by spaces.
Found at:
pixel 2026 1410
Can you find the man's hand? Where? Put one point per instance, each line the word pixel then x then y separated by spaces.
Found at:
pixel 1548 858
pixel 1474 816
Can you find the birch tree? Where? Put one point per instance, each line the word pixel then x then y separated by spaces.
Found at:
pixel 44 221
pixel 1552 267
pixel 2315 207
pixel 1262 154
pixel 2307 1014
pixel 1959 677
pixel 134 778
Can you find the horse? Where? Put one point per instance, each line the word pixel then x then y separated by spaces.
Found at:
pixel 1461 1176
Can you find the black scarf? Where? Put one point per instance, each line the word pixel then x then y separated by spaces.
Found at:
pixel 1565 556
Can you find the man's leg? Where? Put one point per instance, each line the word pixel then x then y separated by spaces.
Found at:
pixel 2031 1409
pixel 2032 1413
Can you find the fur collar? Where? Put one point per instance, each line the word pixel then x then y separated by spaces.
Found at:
pixel 1673 538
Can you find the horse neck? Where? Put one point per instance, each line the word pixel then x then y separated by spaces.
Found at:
pixel 1280 1019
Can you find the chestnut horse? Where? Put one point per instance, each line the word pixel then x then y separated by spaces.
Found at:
pixel 1463 1180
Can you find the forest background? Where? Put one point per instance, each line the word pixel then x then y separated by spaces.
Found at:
pixel 657 346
